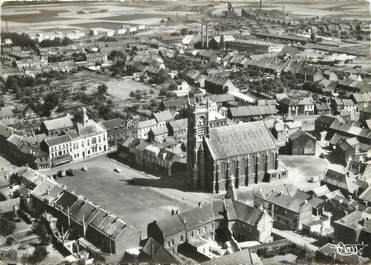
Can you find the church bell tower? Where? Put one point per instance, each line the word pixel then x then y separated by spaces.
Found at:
pixel 198 128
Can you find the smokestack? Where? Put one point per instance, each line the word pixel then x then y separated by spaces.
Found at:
pixel 207 38
pixel 260 6
pixel 218 29
pixel 202 36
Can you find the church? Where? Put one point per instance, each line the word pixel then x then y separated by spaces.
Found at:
pixel 218 152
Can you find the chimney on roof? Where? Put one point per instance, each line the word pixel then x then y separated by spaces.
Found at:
pixel 200 204
pixel 177 211
pixel 172 211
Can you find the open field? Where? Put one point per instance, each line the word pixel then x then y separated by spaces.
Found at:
pixel 137 204
pixel 32 18
pixel 118 89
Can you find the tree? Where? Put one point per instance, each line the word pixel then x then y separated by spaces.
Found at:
pixel 6 227
pixel 151 91
pixel 102 89
pixel 40 229
pixel 132 94
pixel 14 64
pixel 38 255
pixel 162 92
pixel 66 41
pixel 312 36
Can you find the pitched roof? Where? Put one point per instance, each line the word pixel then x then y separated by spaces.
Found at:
pixel 198 216
pixel 59 123
pixel 159 130
pixel 163 116
pixel 243 212
pixel 246 111
pixel 113 124
pixel 336 176
pixel 285 201
pixel 52 141
pixel 171 225
pixel 147 123
pixel 239 139
pixel 299 133
pixel 179 125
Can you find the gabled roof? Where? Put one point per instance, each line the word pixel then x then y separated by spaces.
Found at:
pixel 243 212
pixel 336 176
pixel 171 225
pixel 299 133
pixel 239 139
pixel 159 130
pixel 246 111
pixel 147 123
pixel 59 123
pixel 179 125
pixel 285 201
pixel 163 116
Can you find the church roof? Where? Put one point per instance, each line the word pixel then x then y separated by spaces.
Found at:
pixel 240 139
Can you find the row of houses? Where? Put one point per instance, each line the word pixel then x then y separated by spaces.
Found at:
pixel 79 217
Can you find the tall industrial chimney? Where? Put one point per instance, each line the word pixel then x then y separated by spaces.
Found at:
pixel 202 36
pixel 260 6
pixel 207 38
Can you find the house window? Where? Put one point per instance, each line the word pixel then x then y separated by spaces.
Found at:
pixel 212 225
pixel 169 243
pixel 181 238
pixel 172 242
pixel 198 232
pixel 204 229
pixel 192 234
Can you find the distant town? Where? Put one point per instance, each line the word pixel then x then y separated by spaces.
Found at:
pixel 195 132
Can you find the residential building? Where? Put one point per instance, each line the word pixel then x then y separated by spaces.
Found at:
pixel 178 128
pixel 98 227
pixel 209 221
pixel 322 109
pixel 251 113
pixel 354 228
pixel 116 129
pixel 144 127
pixel 361 100
pixel 287 211
pixel 348 150
pixel 365 113
pixel 163 117
pixel 336 178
